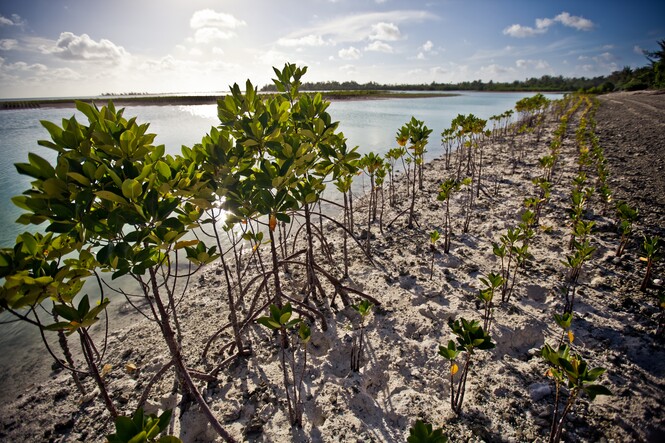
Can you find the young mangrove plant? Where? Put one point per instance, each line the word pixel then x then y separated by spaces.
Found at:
pixel 513 257
pixel 142 428
pixel 627 215
pixel 446 191
pixel 422 432
pixel 571 371
pixel 651 248
pixel 470 337
pixel 492 282
pixel 280 320
pixel 357 347
pixel 417 134
pixel 564 321
pixel 582 252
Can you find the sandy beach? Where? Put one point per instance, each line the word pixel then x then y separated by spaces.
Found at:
pixel 402 378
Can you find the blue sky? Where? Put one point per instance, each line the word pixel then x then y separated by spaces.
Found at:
pixel 51 48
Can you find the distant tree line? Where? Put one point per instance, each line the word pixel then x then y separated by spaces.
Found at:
pixel 651 76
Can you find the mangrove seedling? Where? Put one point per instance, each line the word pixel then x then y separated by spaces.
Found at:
pixel 446 191
pixel 627 216
pixel 564 321
pixel 574 372
pixel 142 428
pixel 422 432
pixel 357 347
pixel 651 248
pixel 280 320
pixel 470 337
pixel 492 282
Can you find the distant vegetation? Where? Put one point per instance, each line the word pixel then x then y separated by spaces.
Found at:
pixel 651 76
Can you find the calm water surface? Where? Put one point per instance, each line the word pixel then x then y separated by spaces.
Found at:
pixel 369 124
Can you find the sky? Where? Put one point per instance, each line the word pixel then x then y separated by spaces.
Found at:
pixel 75 48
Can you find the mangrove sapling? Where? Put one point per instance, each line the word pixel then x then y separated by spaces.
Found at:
pixel 280 320
pixel 581 253
pixel 422 432
pixel 434 237
pixel 142 428
pixel 446 190
pixel 651 248
pixel 41 269
pixel 564 321
pixel 513 257
pixel 492 282
pixel 372 164
pixel 470 337
pixel 627 216
pixel 468 204
pixel 573 372
pixel 357 347
pixel 392 156
pixel 418 136
pixel 127 198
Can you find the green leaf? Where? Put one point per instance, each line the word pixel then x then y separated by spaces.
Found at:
pixel 163 170
pixel 268 323
pixel 108 195
pixel 125 428
pixel 84 306
pixel 67 312
pixel 131 189
pixel 141 437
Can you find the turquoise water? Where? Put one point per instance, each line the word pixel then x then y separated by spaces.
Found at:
pixel 369 124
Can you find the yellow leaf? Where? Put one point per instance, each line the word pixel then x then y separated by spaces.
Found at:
pixel 130 367
pixel 272 222
pixel 571 336
pixel 548 373
pixel 644 259
pixel 453 369
pixel 106 369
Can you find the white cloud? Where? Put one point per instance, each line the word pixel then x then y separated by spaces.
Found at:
pixel 427 46
pixel 15 20
pixel 275 58
pixel 520 31
pixel 572 21
pixel 70 46
pixel 379 46
pixel 209 35
pixel 217 51
pixel 543 24
pixel 7 44
pixel 208 18
pixel 638 50
pixel 420 56
pixel 348 69
pixel 359 27
pixel 307 40
pixel 438 70
pixel 537 64
pixel 385 31
pixel 349 53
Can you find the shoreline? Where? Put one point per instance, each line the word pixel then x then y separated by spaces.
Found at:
pixel 189 100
